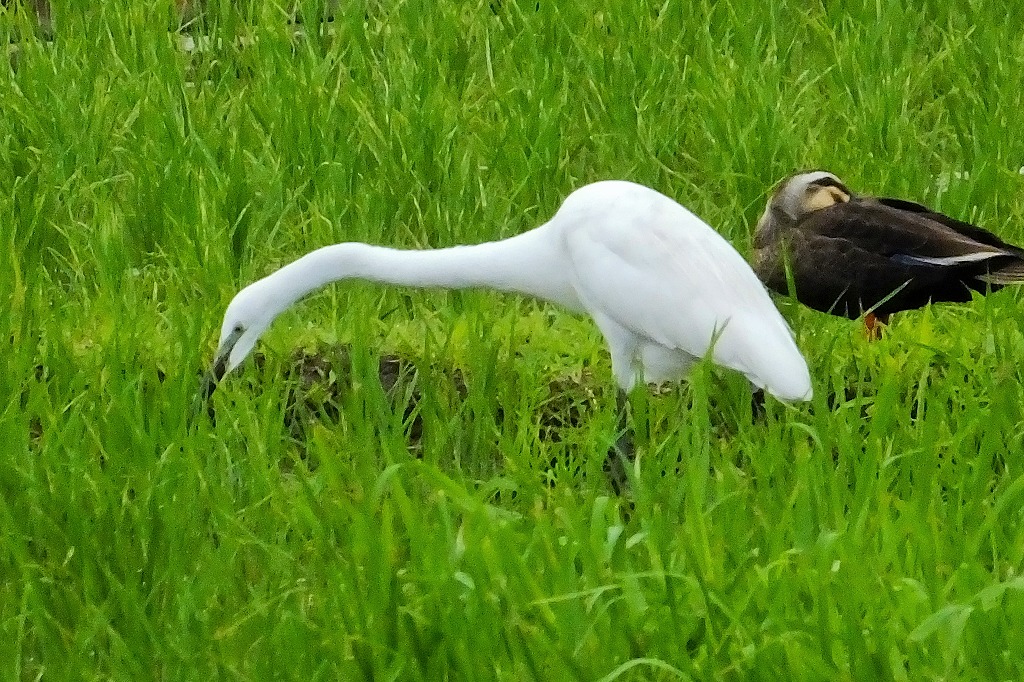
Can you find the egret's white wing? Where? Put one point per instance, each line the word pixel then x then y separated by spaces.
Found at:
pixel 656 269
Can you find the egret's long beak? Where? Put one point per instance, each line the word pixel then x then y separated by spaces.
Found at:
pixel 220 364
pixel 217 371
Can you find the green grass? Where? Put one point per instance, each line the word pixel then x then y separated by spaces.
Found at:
pixel 873 535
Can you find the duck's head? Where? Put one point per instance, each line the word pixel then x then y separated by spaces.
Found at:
pixel 794 198
pixel 805 193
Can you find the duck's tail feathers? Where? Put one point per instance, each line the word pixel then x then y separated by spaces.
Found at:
pixel 1011 274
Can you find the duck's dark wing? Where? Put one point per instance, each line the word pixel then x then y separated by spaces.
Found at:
pixel 974 232
pixel 852 256
pixel 892 231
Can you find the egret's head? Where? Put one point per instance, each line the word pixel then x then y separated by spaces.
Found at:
pixel 246 318
pixel 805 193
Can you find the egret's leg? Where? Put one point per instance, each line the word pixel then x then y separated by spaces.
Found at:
pixel 757 403
pixel 620 456
pixel 623 346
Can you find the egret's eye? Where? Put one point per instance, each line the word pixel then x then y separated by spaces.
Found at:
pixel 238 329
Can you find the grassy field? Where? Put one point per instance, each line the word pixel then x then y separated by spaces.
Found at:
pixel 457 525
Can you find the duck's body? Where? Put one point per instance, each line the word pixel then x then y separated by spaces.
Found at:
pixel 850 254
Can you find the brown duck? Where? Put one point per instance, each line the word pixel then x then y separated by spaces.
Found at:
pixel 850 254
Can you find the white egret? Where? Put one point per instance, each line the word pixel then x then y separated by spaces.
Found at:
pixel 663 287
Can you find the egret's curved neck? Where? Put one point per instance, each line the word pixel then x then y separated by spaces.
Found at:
pixel 532 263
